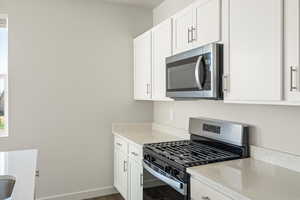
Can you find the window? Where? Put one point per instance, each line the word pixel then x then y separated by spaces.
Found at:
pixel 3 74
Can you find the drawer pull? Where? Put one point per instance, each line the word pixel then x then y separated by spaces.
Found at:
pixel 194 34
pixel 205 198
pixel 293 71
pixel 124 166
pixel 225 81
pixel 135 154
pixel 141 180
pixel 119 144
pixel 189 31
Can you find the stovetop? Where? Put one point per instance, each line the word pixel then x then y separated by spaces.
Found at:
pixel 211 141
pixel 188 153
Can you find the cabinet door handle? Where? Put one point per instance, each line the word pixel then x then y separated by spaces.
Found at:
pixel 119 144
pixel 189 31
pixel 148 89
pixel 225 79
pixel 292 71
pixel 141 180
pixel 205 198
pixel 124 166
pixel 135 154
pixel 193 34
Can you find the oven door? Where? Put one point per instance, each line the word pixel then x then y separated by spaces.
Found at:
pixel 162 186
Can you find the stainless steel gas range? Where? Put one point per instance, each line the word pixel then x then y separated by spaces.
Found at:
pixel 211 141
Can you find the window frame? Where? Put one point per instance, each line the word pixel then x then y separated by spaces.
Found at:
pixel 4 76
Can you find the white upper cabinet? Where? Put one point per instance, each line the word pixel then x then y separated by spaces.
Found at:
pixel 254 69
pixel 208 22
pixel 161 49
pixel 197 25
pixel 261 40
pixel 292 54
pixel 142 67
pixel 183 29
pixel 150 52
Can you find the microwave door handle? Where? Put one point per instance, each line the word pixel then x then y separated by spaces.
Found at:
pixel 197 70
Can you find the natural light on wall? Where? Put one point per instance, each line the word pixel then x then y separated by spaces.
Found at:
pixel 3 74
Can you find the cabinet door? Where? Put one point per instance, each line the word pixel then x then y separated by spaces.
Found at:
pixel 142 67
pixel 120 172
pixel 135 180
pixel 123 171
pixel 208 22
pixel 117 182
pixel 182 30
pixel 255 50
pixel 292 42
pixel 161 49
pixel 202 191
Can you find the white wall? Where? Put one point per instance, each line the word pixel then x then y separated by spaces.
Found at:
pixel 71 76
pixel 276 127
pixel 168 8
pixel 3 8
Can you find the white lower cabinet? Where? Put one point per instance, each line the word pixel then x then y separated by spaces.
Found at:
pixel 120 171
pixel 135 180
pixel 200 191
pixel 128 169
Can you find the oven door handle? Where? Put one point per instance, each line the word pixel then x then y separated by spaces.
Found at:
pixel 197 70
pixel 177 185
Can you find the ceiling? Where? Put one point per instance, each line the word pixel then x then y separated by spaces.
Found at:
pixel 143 3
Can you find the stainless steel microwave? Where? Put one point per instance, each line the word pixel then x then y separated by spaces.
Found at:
pixel 196 73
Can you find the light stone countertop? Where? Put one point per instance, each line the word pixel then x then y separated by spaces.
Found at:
pixel 244 179
pixel 250 179
pixel 142 133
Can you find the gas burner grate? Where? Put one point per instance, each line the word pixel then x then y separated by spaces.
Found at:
pixel 189 153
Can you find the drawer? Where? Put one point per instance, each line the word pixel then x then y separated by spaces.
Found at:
pixel 121 144
pixel 200 191
pixel 136 152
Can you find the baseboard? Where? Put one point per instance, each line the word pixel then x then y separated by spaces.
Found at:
pixel 81 195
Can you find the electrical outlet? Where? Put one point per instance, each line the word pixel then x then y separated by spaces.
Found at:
pixel 37 173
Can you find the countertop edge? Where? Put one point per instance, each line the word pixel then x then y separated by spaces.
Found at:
pixel 124 131
pixel 270 158
pixel 128 139
pixel 217 186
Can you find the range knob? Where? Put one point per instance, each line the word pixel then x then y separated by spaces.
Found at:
pixel 175 172
pixel 168 169
pixel 147 157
